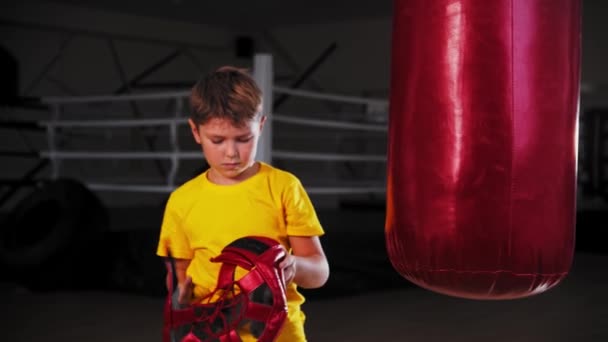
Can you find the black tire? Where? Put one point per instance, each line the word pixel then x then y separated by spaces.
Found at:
pixel 50 230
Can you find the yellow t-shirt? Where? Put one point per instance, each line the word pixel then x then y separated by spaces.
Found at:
pixel 201 218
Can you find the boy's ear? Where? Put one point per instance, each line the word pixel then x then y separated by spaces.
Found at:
pixel 262 121
pixel 194 130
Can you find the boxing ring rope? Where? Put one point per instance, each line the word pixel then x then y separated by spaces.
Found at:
pixel 175 155
pixel 330 97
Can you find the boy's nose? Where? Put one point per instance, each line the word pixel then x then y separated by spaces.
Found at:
pixel 231 150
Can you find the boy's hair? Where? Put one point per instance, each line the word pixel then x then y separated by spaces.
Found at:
pixel 228 93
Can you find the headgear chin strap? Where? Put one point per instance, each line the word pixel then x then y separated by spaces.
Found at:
pixel 256 302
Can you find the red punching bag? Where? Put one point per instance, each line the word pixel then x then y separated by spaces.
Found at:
pixel 483 145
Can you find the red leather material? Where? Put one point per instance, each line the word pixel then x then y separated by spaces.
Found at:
pixel 250 281
pixel 231 336
pixel 260 256
pixel 258 311
pixel 481 183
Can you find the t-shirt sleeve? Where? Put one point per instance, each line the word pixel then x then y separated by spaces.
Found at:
pixel 300 215
pixel 173 240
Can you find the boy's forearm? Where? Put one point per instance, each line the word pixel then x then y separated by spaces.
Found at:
pixel 311 271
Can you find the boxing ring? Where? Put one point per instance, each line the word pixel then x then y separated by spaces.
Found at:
pixel 175 120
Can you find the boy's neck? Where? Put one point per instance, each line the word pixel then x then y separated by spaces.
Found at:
pixel 214 177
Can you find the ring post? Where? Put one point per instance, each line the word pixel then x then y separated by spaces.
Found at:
pixel 263 75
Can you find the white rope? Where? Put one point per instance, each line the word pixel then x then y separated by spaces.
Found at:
pixel 120 155
pixel 117 123
pixel 186 93
pixel 331 97
pixel 327 156
pixel 112 98
pixel 329 123
pixel 183 121
pixel 166 189
pixel 345 190
pixel 61 155
pixel 131 188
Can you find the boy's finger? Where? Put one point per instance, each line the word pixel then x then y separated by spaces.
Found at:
pixel 286 262
pixel 183 297
pixel 185 292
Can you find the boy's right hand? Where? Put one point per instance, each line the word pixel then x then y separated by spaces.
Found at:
pixel 184 296
pixel 184 282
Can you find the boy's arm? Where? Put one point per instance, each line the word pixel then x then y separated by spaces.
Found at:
pixel 307 265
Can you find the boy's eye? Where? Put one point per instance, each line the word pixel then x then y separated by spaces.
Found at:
pixel 244 139
pixel 216 142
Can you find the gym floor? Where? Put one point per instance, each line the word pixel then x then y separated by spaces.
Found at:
pixel 364 301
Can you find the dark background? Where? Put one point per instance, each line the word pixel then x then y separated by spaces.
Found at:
pixel 119 237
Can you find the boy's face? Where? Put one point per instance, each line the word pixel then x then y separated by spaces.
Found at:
pixel 229 150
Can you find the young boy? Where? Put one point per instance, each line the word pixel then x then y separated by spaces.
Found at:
pixel 238 197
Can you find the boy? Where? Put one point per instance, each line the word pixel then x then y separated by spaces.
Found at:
pixel 238 197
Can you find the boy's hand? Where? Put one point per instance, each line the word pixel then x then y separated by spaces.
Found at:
pixel 184 282
pixel 184 296
pixel 288 265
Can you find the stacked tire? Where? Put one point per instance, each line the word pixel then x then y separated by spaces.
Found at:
pixel 54 238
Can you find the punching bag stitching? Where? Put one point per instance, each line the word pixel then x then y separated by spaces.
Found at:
pixel 510 193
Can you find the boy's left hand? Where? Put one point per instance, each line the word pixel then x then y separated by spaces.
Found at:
pixel 288 265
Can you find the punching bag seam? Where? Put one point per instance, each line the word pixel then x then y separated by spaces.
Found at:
pixel 510 193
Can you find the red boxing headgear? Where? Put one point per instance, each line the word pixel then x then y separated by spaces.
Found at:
pixel 256 302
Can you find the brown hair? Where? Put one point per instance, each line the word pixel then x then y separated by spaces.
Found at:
pixel 227 92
